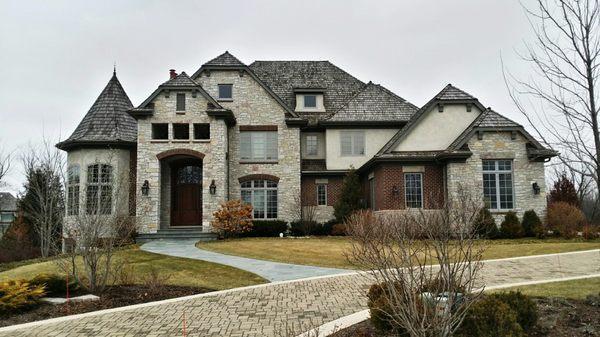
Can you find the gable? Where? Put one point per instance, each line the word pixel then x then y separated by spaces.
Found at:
pixel 436 130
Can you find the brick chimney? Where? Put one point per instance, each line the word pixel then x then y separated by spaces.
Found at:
pixel 172 73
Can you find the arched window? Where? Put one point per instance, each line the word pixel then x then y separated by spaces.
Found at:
pixel 262 195
pixel 73 190
pixel 99 189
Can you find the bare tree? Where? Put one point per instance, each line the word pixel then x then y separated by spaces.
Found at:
pixel 560 96
pixel 5 162
pixel 306 212
pixel 95 232
pixel 428 261
pixel 43 200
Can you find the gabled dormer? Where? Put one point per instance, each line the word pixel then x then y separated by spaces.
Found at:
pixel 309 100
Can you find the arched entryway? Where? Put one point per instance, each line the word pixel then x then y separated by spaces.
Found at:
pixel 181 188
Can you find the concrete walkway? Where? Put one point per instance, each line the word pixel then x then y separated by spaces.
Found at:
pixel 272 271
pixel 271 309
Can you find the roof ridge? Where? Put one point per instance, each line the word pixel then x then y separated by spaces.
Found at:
pixel 225 59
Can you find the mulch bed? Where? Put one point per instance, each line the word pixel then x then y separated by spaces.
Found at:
pixel 558 318
pixel 115 296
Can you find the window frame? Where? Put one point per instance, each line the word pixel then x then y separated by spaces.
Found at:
pixel 270 155
pixel 154 131
pixel 309 106
pixel 180 105
pixel 307 145
pixel 101 185
pixel 182 125
pixel 406 190
pixel 353 143
pixel 267 212
pixel 219 97
pixel 496 172
pixel 324 186
pixel 203 125
pixel 73 190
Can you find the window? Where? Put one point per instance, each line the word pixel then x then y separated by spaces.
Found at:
pixel 322 195
pixel 310 101
pixel 99 189
pixel 225 91
pixel 262 195
pixel 258 145
pixel 160 131
pixel 181 131
pixel 73 190
pixel 201 131
pixel 413 190
pixel 312 145
pixel 7 217
pixel 352 143
pixel 180 102
pixel 498 184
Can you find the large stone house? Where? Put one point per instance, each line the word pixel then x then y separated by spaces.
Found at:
pixel 279 133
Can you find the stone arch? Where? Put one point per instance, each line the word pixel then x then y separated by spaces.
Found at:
pixel 258 177
pixel 180 152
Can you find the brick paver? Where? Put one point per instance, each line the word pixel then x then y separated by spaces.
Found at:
pixel 266 310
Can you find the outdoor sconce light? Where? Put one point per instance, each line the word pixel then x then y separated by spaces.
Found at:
pixel 212 188
pixel 395 190
pixel 145 187
pixel 536 188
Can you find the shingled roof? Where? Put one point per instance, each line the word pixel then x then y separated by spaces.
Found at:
pixel 452 93
pixel 373 104
pixel 284 77
pixel 181 80
pixel 7 202
pixel 226 60
pixel 107 122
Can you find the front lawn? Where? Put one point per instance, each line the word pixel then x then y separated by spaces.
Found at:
pixel 182 271
pixel 575 289
pixel 330 251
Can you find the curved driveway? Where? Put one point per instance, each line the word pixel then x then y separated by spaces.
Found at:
pixel 269 309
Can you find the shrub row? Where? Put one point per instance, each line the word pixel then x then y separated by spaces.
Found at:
pixel 266 228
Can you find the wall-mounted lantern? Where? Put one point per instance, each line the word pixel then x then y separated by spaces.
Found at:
pixel 536 188
pixel 395 190
pixel 145 187
pixel 212 188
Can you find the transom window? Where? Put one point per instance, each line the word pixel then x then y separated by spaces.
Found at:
pixel 262 195
pixel 180 102
pixel 312 145
pixel 498 184
pixel 73 190
pixel 413 190
pixel 258 145
pixel 310 101
pixel 352 143
pixel 99 189
pixel 225 91
pixel 322 194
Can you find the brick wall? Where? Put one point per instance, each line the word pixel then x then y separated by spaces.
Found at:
pixel 309 195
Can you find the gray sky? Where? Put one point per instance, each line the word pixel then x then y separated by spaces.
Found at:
pixel 56 56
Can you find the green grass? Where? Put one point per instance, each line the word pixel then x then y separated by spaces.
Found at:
pixel 331 251
pixel 182 271
pixel 575 289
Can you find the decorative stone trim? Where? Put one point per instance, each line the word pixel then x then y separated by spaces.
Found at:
pixel 180 152
pixel 258 177
pixel 258 127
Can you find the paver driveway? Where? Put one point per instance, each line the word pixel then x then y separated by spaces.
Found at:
pixel 264 309
pixel 272 271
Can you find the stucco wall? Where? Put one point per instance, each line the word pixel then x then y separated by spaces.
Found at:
pixel 214 166
pixel 437 130
pixel 499 145
pixel 252 105
pixel 375 139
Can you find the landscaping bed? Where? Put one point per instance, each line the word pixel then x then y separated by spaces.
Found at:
pixel 558 317
pixel 113 297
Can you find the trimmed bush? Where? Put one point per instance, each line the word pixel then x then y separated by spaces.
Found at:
pixel 486 225
pixel 565 219
pixel 531 223
pixel 380 310
pixel 299 228
pixel 267 228
pixel 233 218
pixel 490 317
pixel 524 307
pixel 511 227
pixel 53 284
pixel 17 296
pixel 338 229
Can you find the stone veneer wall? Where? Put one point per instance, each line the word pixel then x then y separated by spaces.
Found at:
pixel 152 210
pixel 499 145
pixel 323 213
pixel 252 105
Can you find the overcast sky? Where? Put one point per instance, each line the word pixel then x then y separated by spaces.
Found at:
pixel 56 56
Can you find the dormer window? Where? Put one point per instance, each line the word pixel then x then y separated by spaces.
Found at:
pixel 310 101
pixel 225 91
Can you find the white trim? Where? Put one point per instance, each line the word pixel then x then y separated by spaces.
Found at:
pixel 553 280
pixel 337 325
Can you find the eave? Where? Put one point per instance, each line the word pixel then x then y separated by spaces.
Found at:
pixel 69 145
pixel 225 114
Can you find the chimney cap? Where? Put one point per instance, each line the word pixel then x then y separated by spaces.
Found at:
pixel 172 73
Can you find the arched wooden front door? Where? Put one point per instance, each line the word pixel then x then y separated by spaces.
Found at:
pixel 186 194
